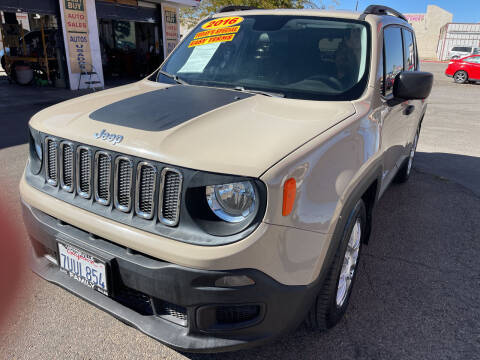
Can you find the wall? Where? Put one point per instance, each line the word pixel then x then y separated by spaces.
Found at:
pixel 427 29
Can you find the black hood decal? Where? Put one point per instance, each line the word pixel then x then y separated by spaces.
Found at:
pixel 166 108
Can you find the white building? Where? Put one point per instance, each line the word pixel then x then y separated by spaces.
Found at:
pixel 457 34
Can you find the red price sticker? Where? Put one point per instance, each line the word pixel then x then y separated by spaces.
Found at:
pixel 222 22
pixel 211 40
pixel 222 31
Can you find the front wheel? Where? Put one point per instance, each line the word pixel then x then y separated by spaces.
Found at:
pixel 460 77
pixel 332 301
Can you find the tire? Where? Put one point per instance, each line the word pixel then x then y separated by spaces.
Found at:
pixel 460 77
pixel 331 302
pixel 403 174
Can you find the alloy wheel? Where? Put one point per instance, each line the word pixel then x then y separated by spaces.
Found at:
pixel 349 263
pixel 460 76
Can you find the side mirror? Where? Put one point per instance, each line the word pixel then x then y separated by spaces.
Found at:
pixel 412 85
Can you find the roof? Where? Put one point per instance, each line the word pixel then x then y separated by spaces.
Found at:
pixel 302 12
pixel 338 14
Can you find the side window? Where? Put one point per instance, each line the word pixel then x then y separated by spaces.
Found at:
pixel 473 60
pixel 393 47
pixel 409 47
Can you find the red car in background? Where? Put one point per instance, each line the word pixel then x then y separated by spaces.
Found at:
pixel 465 69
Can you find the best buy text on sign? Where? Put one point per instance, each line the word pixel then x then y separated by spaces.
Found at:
pixel 74 5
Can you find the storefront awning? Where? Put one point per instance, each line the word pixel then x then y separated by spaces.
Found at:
pixel 30 6
pixel 124 12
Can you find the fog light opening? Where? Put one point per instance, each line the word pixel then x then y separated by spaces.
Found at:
pixel 236 314
pixel 234 281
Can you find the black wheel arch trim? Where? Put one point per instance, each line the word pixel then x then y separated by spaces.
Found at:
pixel 374 174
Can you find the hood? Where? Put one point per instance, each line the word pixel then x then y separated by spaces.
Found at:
pixel 202 128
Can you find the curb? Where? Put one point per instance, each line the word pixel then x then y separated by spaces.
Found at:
pixel 435 61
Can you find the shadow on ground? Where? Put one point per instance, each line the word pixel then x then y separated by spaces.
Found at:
pixel 462 169
pixel 19 103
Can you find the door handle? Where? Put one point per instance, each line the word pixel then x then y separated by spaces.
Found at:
pixel 409 109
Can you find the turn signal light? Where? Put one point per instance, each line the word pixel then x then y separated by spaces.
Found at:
pixel 289 192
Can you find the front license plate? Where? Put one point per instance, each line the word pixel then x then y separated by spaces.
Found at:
pixel 83 267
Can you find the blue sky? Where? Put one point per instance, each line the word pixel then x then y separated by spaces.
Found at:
pixel 462 10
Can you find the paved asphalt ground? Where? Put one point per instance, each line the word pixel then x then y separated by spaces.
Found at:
pixel 418 290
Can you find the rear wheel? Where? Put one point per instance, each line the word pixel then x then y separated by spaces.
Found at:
pixel 460 77
pixel 332 301
pixel 405 170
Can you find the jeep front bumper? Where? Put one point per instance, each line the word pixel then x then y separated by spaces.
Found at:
pixel 179 306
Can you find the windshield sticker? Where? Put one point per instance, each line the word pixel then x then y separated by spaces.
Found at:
pixel 199 58
pixel 212 40
pixel 222 22
pixel 222 31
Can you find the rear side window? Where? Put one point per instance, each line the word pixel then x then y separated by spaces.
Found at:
pixel 462 49
pixel 473 60
pixel 410 51
pixel 393 47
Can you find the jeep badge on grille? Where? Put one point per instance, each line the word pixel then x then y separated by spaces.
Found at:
pixel 105 135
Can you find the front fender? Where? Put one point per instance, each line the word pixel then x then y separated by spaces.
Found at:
pixel 328 170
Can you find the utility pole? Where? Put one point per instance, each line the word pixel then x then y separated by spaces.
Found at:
pixel 356 6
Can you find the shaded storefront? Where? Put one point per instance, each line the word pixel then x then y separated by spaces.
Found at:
pixel 32 45
pixel 129 39
pixel 117 39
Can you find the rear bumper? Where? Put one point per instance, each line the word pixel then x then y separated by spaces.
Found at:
pixel 179 306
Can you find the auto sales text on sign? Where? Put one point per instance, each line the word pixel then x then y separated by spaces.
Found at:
pixel 76 25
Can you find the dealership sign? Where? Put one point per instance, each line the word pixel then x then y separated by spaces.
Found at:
pixel 82 45
pixel 76 25
pixel 415 18
pixel 171 31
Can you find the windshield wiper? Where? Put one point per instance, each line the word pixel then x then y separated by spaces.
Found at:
pixel 261 92
pixel 173 77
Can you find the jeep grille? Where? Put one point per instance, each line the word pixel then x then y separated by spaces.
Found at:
pixel 131 184
pixel 84 172
pixel 51 161
pixel 145 190
pixel 66 166
pixel 170 196
pixel 123 184
pixel 103 168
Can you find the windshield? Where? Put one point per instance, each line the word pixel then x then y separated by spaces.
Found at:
pixel 290 56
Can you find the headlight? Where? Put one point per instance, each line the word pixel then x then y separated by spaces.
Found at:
pixel 232 202
pixel 36 151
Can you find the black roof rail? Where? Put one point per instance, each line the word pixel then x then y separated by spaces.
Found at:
pixel 383 10
pixel 236 8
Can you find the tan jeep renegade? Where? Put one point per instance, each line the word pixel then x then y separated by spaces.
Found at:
pixel 225 199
